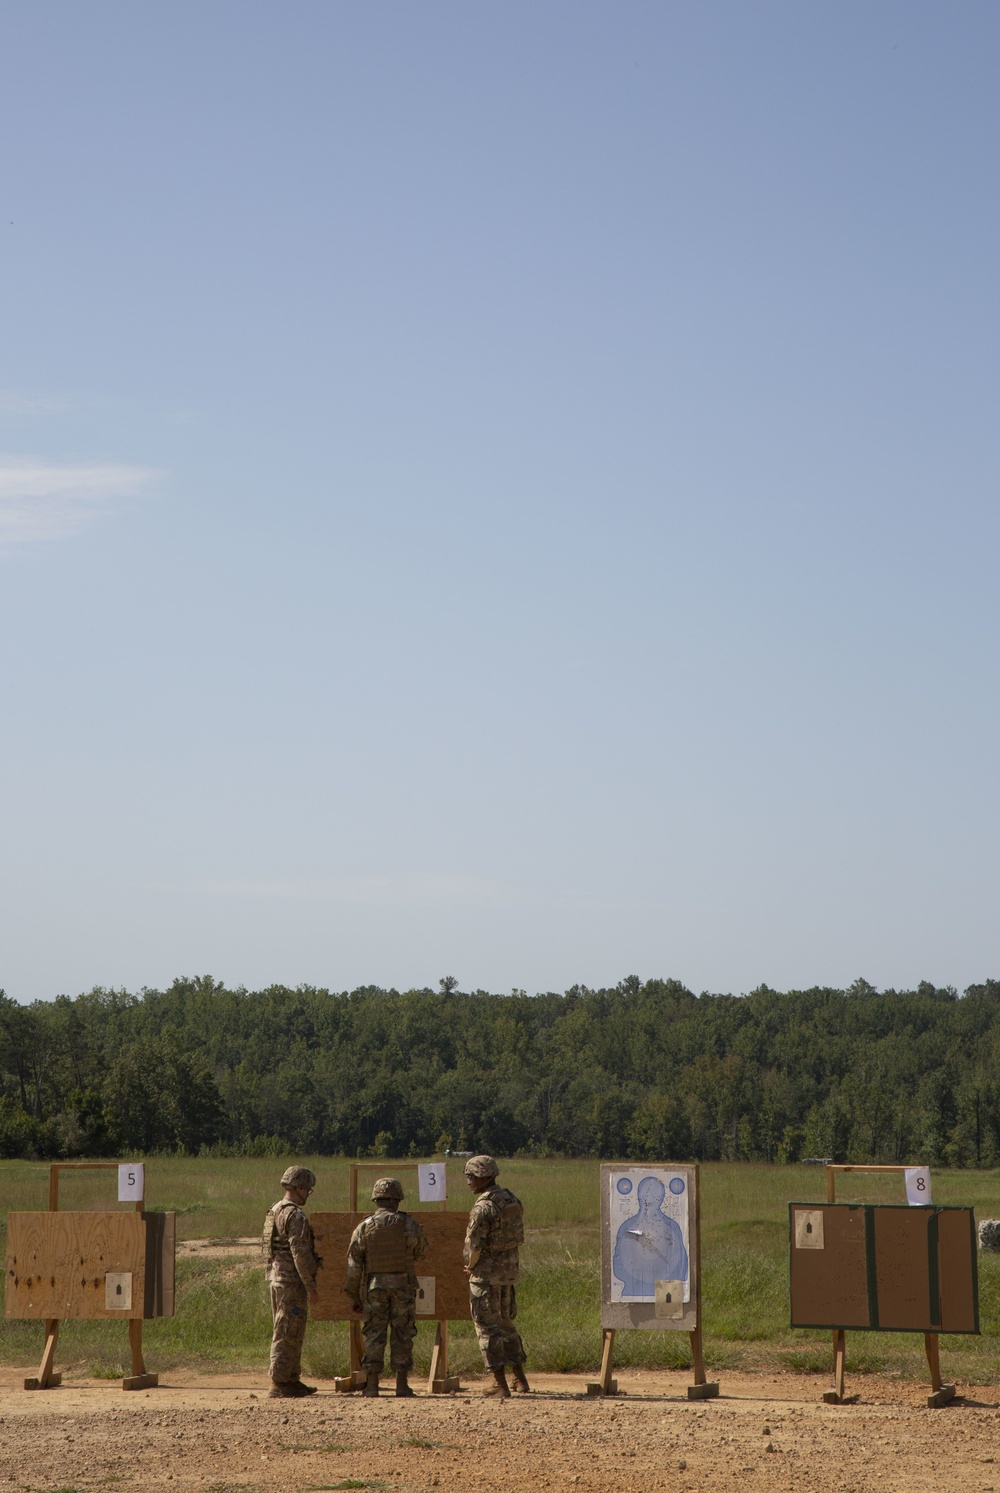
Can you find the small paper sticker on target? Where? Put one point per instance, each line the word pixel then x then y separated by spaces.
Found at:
pixel 130 1182
pixel 918 1185
pixel 668 1298
pixel 809 1228
pixel 118 1291
pixel 425 1295
pixel 432 1182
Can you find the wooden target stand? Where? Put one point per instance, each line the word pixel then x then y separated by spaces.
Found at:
pixel 47 1378
pixel 941 1393
pixel 701 1389
pixel 445 1233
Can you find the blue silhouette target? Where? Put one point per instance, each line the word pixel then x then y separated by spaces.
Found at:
pixel 650 1229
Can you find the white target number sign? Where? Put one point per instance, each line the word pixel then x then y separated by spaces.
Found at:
pixel 432 1182
pixel 130 1182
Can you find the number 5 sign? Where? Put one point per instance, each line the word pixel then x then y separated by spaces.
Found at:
pixel 130 1182
pixel 432 1183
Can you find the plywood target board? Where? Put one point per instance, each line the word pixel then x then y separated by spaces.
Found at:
pixel 883 1267
pixel 649 1247
pixel 443 1283
pixel 69 1265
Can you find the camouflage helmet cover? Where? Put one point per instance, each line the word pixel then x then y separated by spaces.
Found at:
pixel 298 1176
pixel 387 1187
pixel 481 1166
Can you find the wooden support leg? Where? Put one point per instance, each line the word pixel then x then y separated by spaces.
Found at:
pixel 138 1379
pixel 942 1393
pixel 700 1389
pixel 605 1384
pixel 46 1378
pixel 440 1381
pixel 355 1376
pixel 836 1395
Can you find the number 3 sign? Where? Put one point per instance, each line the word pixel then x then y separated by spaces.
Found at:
pixel 432 1183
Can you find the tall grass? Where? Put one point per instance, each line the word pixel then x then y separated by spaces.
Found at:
pixel 223 1320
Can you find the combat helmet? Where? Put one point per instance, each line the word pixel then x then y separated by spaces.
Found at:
pixel 387 1187
pixel 481 1166
pixel 298 1176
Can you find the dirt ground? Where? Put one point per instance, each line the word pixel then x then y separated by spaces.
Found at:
pixel 221 1434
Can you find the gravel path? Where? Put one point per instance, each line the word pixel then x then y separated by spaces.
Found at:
pixel 221 1434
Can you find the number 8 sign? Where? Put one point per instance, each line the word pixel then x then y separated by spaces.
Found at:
pixel 918 1185
pixel 432 1182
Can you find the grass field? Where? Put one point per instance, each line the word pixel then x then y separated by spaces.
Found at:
pixel 222 1318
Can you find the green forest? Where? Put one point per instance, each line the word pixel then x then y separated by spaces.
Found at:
pixel 645 1070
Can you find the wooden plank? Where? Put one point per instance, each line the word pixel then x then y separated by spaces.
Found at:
pixel 443 1261
pixel 57 1262
pixel 829 1286
pixel 957 1266
pixel 901 1271
pixel 161 1250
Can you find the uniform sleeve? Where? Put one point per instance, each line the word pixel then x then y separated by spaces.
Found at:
pixel 298 1232
pixel 475 1234
pixel 355 1263
pixel 417 1240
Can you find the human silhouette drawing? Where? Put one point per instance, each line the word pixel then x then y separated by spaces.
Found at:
pixel 649 1245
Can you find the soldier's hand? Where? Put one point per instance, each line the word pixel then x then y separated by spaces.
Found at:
pixel 357 1309
pixel 313 1297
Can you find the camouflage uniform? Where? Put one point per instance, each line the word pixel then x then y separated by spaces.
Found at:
pixel 289 1249
pixel 495 1230
pixel 380 1275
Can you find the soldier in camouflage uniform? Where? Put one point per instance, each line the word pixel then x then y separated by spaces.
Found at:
pixel 290 1256
pixel 382 1283
pixel 496 1228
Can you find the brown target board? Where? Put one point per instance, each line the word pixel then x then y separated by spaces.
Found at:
pixel 883 1267
pixel 63 1265
pixel 442 1285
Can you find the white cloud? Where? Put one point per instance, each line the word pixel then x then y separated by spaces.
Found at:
pixel 419 889
pixel 47 500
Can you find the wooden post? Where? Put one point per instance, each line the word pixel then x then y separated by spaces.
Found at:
pixel 604 1384
pixel 138 1379
pixel 700 1389
pixel 46 1379
pixel 941 1393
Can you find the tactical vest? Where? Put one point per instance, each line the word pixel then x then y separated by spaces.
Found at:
pixel 272 1244
pixel 508 1231
pixel 385 1246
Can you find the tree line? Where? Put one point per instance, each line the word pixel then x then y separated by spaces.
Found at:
pixel 644 1070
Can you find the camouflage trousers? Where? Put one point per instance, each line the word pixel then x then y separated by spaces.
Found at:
pixel 290 1309
pixel 493 1311
pixel 395 1308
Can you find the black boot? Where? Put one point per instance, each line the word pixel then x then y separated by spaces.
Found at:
pixel 403 1390
pixel 370 1390
pixel 520 1379
pixel 499 1386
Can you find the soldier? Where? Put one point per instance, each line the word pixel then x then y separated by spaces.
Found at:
pixel 290 1256
pixel 382 1284
pixel 496 1228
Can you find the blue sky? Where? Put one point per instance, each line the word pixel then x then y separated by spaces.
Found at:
pixel 507 491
